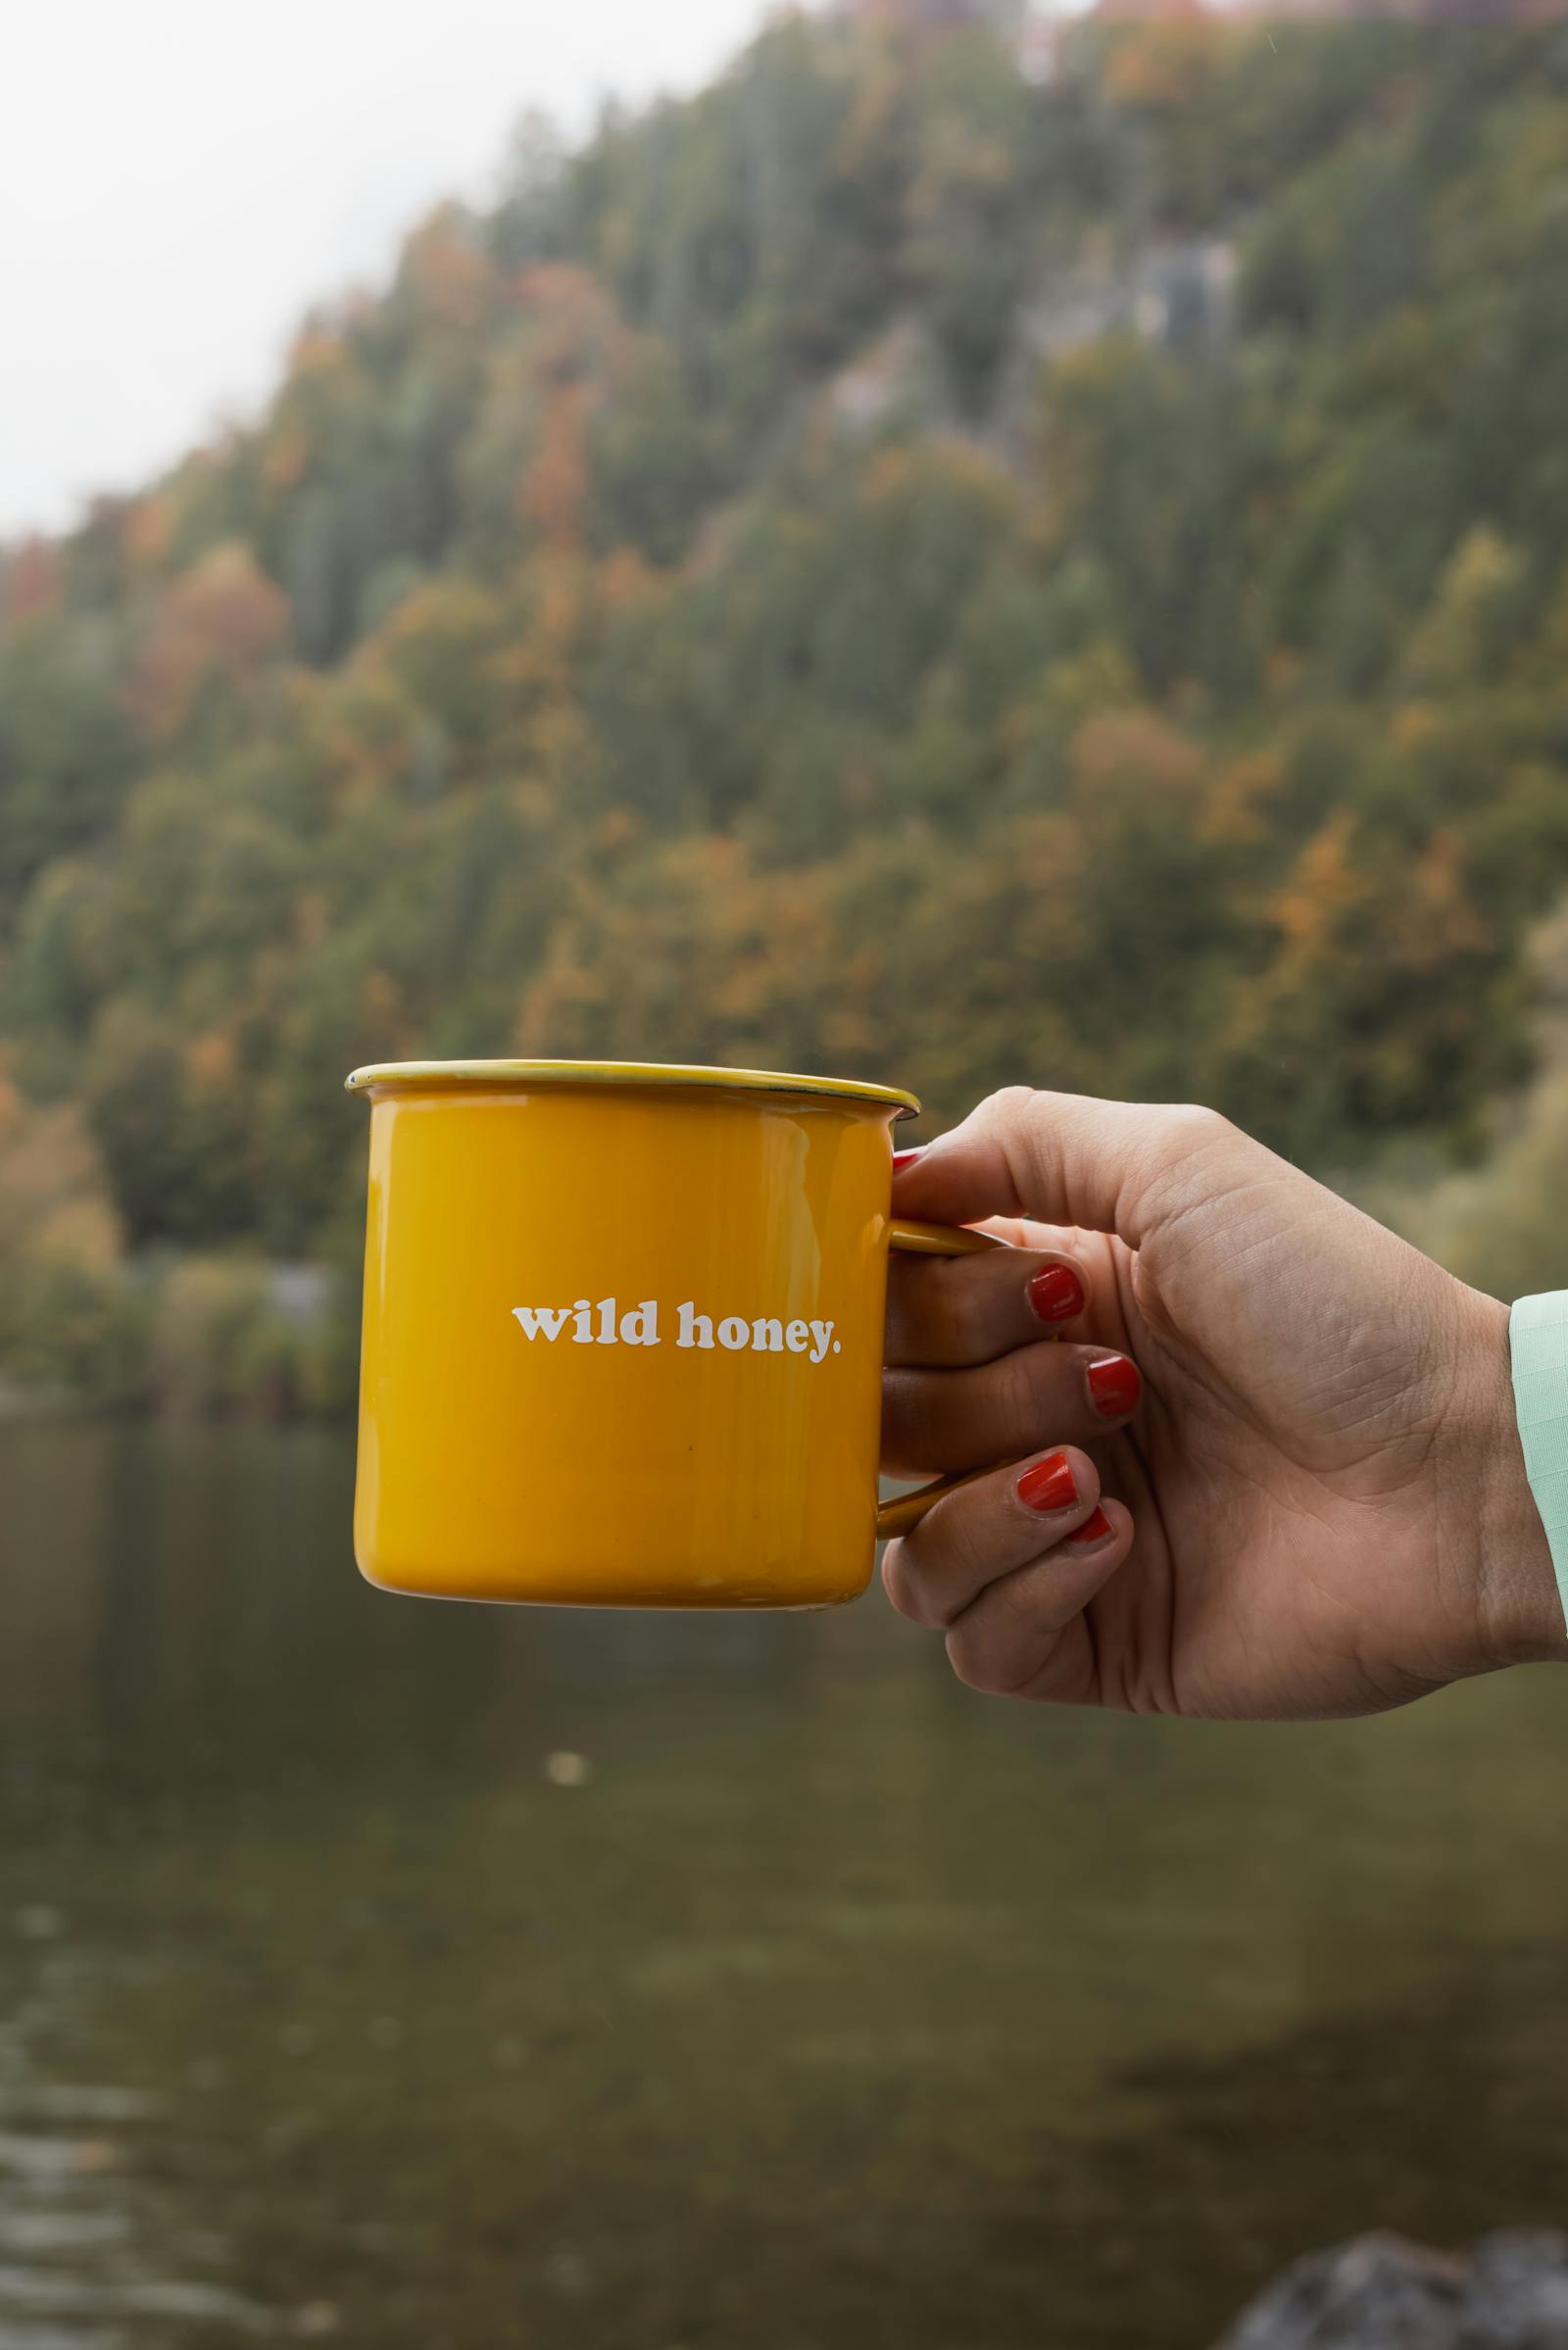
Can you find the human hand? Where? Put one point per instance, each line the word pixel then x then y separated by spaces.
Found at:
pixel 1314 1503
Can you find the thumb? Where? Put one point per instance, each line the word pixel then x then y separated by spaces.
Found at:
pixel 1068 1158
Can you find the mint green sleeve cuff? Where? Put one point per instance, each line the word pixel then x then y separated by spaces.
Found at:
pixel 1538 1338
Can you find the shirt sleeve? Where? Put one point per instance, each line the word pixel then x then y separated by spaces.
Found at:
pixel 1538 1338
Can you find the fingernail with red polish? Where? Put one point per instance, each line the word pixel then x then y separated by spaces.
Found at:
pixel 1093 1529
pixel 1114 1387
pixel 1050 1485
pixel 1056 1293
pixel 906 1158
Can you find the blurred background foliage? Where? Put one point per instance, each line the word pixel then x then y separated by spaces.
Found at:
pixel 922 561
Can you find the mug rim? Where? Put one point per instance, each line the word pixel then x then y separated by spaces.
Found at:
pixel 455 1075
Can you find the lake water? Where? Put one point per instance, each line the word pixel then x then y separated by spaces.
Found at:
pixel 833 2005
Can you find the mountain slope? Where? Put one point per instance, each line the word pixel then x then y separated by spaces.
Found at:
pixel 887 566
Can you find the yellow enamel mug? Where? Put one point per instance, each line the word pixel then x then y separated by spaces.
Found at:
pixel 622 1336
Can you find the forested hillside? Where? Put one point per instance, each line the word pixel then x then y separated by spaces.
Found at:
pixel 899 564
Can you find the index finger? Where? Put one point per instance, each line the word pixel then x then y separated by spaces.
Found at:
pixel 1067 1158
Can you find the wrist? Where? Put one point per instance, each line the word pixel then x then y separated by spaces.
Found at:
pixel 1519 1612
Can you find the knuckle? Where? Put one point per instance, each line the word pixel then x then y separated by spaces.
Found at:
pixel 997 1645
pixel 967 1540
pixel 1186 1135
pixel 964 1305
pixel 903 1584
pixel 1009 1105
pixel 902 1309
pixel 1192 1125
pixel 1023 1377
pixel 906 1415
pixel 1000 1664
pixel 1018 1603
pixel 942 1310
pixel 946 1554
pixel 973 1665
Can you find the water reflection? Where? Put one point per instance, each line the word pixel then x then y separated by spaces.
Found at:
pixel 827 2004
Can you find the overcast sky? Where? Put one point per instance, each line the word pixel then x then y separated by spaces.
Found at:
pixel 178 178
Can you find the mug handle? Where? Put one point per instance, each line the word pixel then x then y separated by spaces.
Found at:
pixel 930 1239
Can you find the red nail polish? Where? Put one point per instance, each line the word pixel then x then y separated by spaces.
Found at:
pixel 906 1158
pixel 1115 1386
pixel 1056 1293
pixel 1093 1529
pixel 1049 1485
